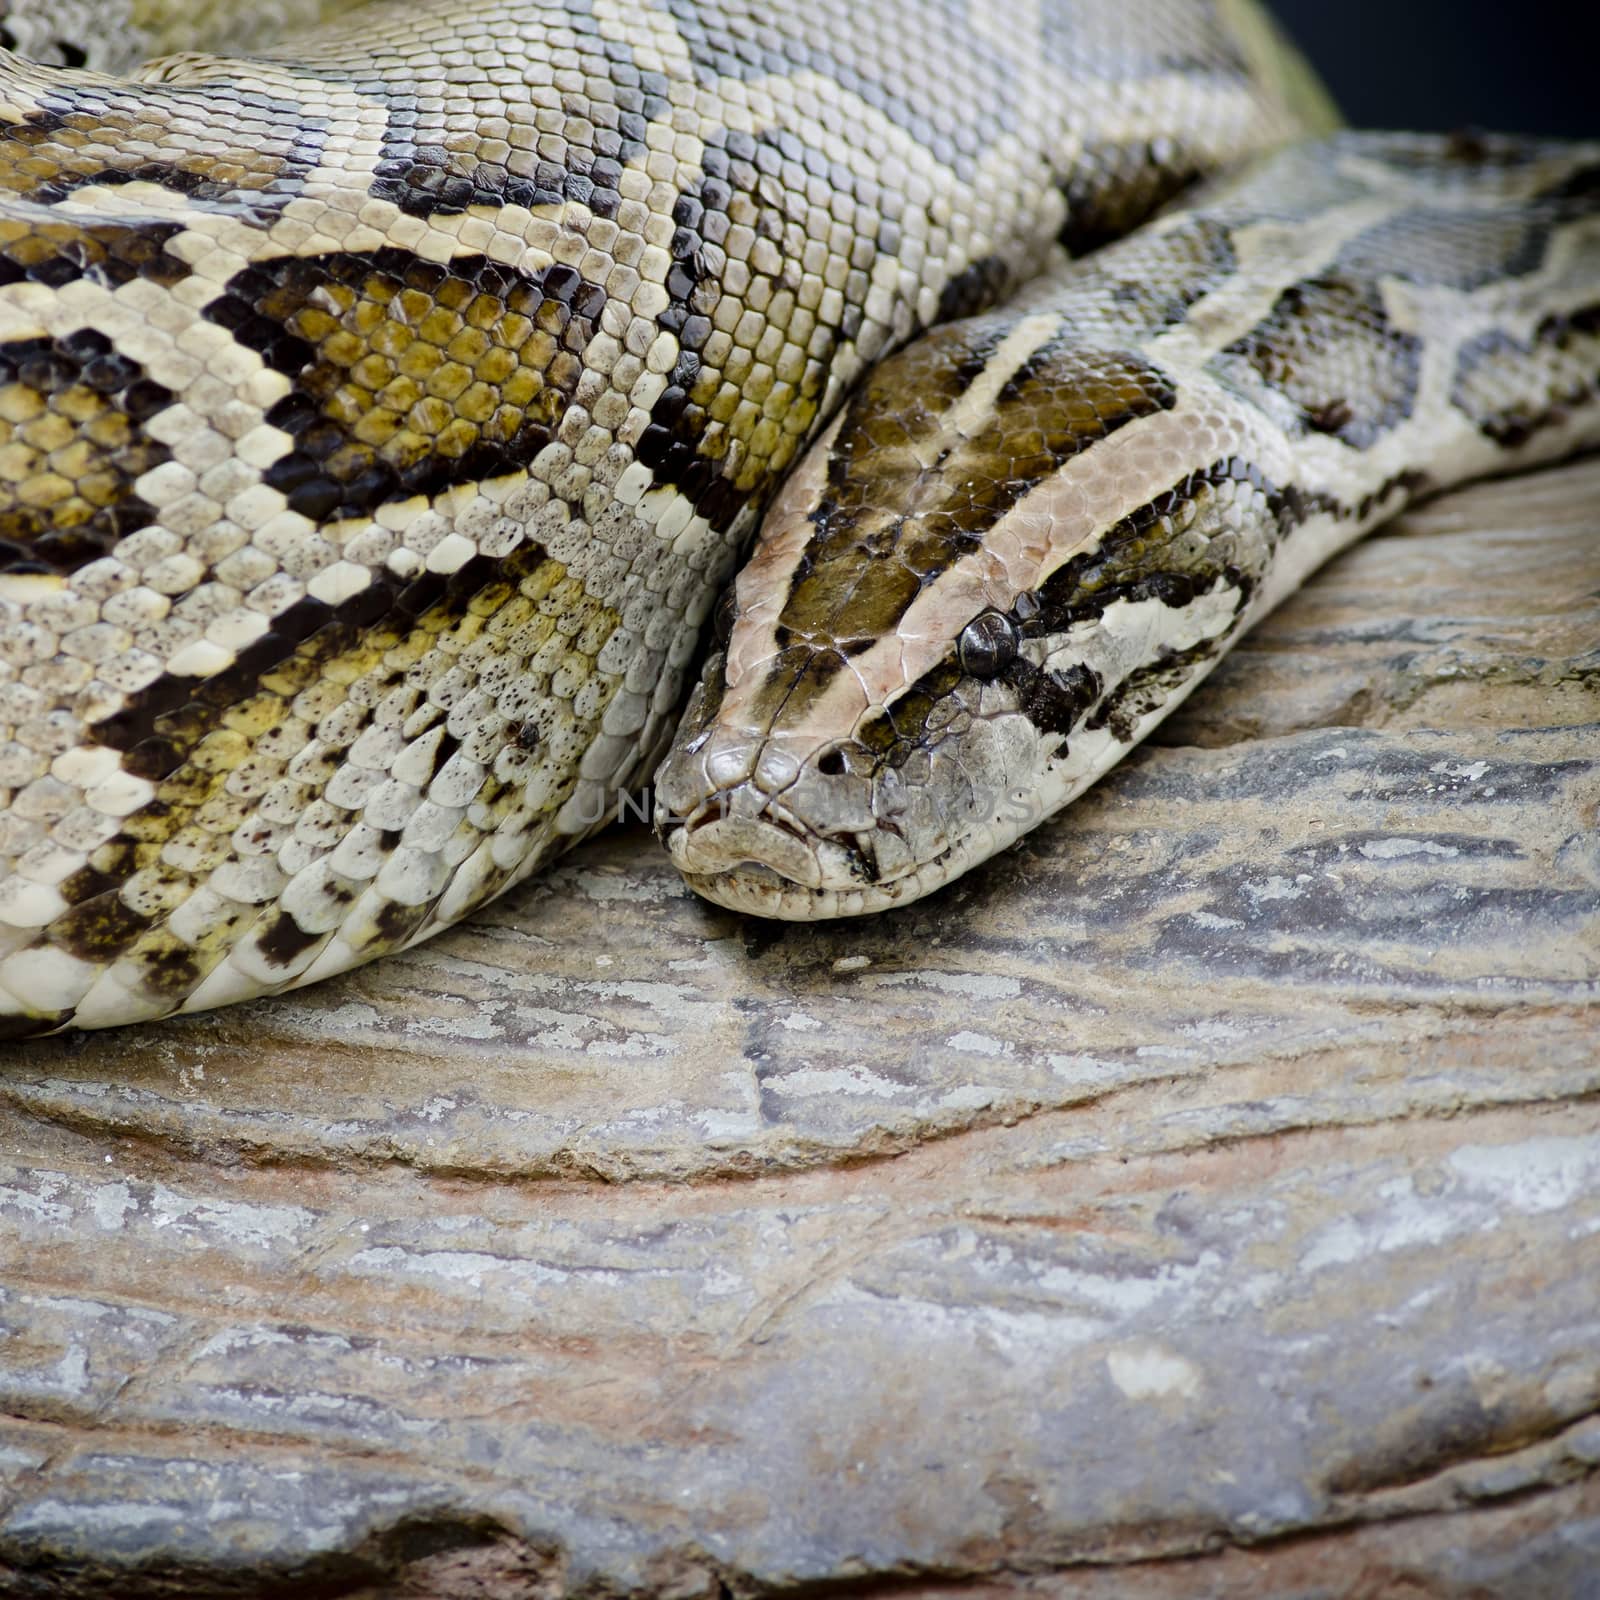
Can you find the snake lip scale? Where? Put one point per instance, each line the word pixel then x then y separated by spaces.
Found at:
pixel 388 392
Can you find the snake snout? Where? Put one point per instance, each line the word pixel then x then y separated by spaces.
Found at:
pixel 768 810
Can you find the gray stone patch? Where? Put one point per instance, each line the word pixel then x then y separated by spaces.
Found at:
pixel 1202 1198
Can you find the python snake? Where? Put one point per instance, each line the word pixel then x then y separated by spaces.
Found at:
pixel 382 412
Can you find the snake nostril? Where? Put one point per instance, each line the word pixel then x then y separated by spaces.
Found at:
pixel 831 762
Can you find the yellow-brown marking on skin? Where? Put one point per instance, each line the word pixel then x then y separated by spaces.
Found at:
pixel 48 153
pixel 922 470
pixel 410 377
pixel 908 495
pixel 227 760
pixel 72 445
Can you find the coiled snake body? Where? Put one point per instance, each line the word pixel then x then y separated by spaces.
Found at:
pixel 381 414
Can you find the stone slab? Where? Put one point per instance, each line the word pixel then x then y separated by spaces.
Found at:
pixel 1202 1198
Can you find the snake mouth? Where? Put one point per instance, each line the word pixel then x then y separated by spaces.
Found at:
pixel 719 841
pixel 768 865
pixel 712 844
pixel 764 871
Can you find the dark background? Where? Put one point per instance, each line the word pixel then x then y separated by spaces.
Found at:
pixel 1512 66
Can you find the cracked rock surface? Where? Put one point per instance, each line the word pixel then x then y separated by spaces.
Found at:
pixel 1202 1199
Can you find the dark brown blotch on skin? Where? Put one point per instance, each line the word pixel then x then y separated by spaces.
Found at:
pixel 1116 186
pixel 1148 687
pixel 396 923
pixel 906 499
pixel 169 969
pixel 1509 389
pixel 1461 249
pixel 98 930
pixel 282 941
pixel 72 415
pixel 409 376
pixel 1154 280
pixel 1328 346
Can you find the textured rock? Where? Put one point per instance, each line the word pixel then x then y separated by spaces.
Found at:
pixel 1222 1165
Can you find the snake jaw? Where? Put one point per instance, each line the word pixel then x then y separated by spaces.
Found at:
pixel 774 867
pixel 711 846
pixel 733 804
pixel 845 832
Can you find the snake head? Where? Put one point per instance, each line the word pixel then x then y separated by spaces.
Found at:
pixel 991 576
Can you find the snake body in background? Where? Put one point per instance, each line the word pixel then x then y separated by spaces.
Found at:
pixel 382 412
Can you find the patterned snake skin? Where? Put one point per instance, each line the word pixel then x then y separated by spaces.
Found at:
pixel 381 413
pixel 1031 535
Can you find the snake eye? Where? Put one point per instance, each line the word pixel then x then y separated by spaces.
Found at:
pixel 988 644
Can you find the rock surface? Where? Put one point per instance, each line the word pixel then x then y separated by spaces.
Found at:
pixel 1221 1166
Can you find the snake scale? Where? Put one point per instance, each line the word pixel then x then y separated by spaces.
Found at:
pixel 383 410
